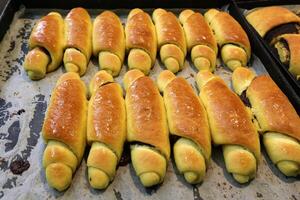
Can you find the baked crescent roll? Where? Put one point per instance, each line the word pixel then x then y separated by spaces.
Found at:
pixel 46 45
pixel 109 42
pixel 64 130
pixel 141 42
pixel 188 120
pixel 271 22
pixel 278 121
pixel 106 129
pixel 231 126
pixel 288 50
pixel 170 39
pixel 147 129
pixel 231 38
pixel 200 40
pixel 78 33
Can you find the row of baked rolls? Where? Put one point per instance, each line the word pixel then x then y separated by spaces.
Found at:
pixel 200 40
pixel 64 130
pixel 106 129
pixel 186 119
pixel 170 39
pixel 231 126
pixel 109 42
pixel 231 38
pixel 147 129
pixel 141 42
pixel 278 121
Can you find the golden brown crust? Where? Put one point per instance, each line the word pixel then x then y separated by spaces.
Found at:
pixel 265 19
pixel 78 31
pixel 198 32
pixel 140 34
pixel 108 35
pixel 106 121
pixel 66 115
pixel 293 41
pixel 186 114
pixel 272 108
pixel 230 122
pixel 48 33
pixel 146 115
pixel 228 31
pixel 169 31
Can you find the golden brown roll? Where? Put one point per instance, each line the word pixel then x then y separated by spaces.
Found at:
pixel 200 40
pixel 64 130
pixel 170 39
pixel 271 22
pixel 231 126
pixel 277 119
pixel 188 120
pixel 288 50
pixel 78 33
pixel 147 129
pixel 141 42
pixel 106 129
pixel 46 45
pixel 109 42
pixel 231 38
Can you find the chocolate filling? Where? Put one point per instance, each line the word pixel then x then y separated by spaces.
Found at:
pixel 125 157
pixel 245 99
pixel 280 30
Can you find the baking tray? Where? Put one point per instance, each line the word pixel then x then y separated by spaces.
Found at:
pixel 22 108
pixel 277 67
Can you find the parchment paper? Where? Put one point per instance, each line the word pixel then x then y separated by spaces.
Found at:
pixel 22 108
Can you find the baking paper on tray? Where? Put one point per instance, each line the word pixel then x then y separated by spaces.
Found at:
pixel 22 108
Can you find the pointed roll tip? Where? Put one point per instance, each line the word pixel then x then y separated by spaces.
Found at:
pixel 164 78
pixel 184 15
pixel 97 178
pixel 59 176
pixel 210 14
pixel 241 79
pixel 100 78
pixel 131 76
pixel 203 77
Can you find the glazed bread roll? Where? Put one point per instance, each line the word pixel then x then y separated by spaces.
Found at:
pixel 147 129
pixel 109 42
pixel 231 126
pixel 170 39
pixel 64 130
pixel 200 40
pixel 187 119
pixel 46 44
pixel 78 33
pixel 278 121
pixel 141 43
pixel 288 51
pixel 231 38
pixel 271 22
pixel 106 129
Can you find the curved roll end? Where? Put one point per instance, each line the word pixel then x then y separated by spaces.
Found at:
pixel 284 151
pixel 189 160
pixel 110 62
pixel 75 61
pixel 60 163
pixel 184 15
pixel 203 77
pixel 234 56
pixel 203 57
pixel 164 78
pixel 240 162
pixel 139 59
pixel 35 64
pixel 67 76
pixel 149 165
pixel 241 79
pixel 55 13
pixel 101 163
pixel 134 12
pixel 210 14
pixel 157 13
pixel 131 76
pixel 100 78
pixel 172 56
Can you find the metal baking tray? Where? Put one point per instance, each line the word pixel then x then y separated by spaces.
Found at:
pixel 243 7
pixel 22 109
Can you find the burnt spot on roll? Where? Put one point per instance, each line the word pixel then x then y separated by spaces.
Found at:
pixel 245 99
pixel 271 36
